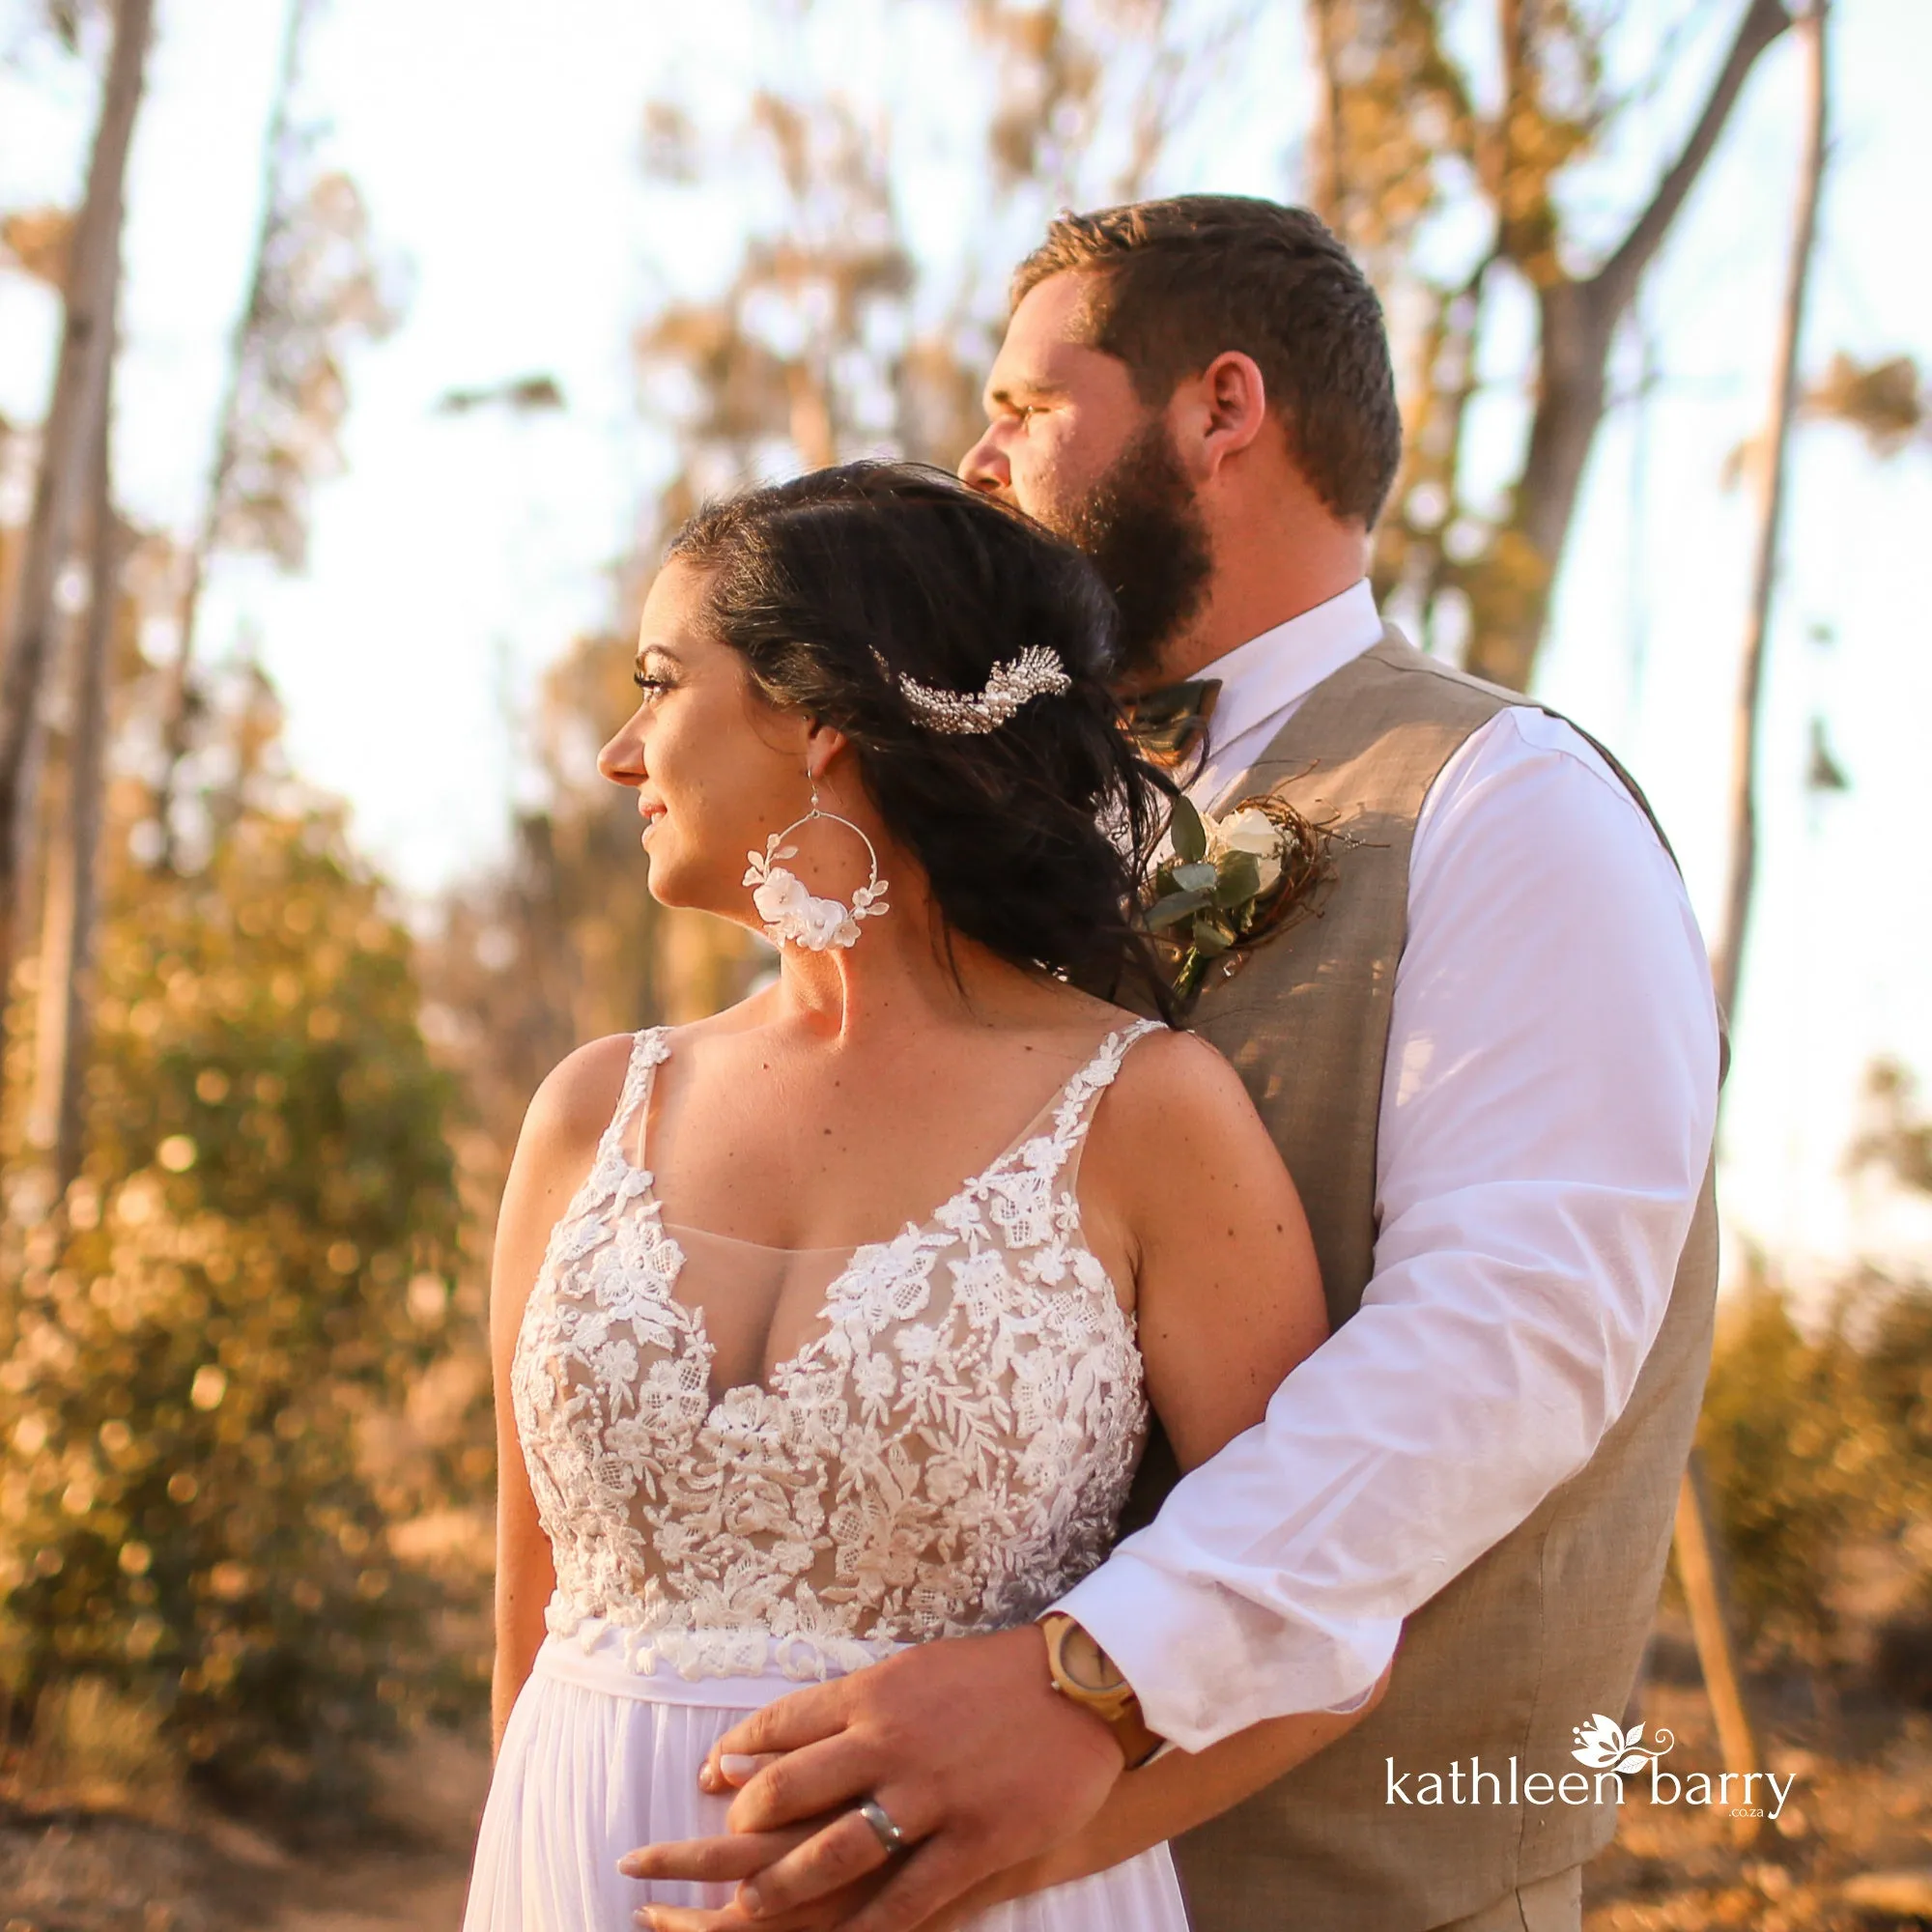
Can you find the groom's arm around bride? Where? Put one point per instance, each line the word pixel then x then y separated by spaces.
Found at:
pixel 1490 1063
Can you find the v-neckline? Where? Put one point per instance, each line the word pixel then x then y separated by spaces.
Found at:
pixel 643 1190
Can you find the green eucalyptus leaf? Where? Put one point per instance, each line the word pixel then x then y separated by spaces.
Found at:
pixel 1239 879
pixel 1198 877
pixel 1211 938
pixel 1187 833
pixel 1174 908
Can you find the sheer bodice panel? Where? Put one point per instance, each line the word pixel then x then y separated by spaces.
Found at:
pixel 946 1450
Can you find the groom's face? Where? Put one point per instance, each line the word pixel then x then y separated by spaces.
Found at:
pixel 1070 442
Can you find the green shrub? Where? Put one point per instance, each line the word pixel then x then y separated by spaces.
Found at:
pixel 1813 1444
pixel 199 1347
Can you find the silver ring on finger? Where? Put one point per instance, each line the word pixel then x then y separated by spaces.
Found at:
pixel 888 1834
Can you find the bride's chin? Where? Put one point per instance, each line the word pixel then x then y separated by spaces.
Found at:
pixel 680 888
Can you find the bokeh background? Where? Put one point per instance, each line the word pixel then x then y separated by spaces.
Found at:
pixel 355 359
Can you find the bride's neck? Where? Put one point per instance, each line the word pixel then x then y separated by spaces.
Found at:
pixel 900 971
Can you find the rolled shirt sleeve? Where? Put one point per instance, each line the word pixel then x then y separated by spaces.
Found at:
pixel 1546 1116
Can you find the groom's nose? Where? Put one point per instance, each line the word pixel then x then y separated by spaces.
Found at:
pixel 984 466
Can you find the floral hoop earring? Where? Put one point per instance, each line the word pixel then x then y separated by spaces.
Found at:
pixel 792 916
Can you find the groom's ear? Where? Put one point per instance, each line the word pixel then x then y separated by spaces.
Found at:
pixel 1220 411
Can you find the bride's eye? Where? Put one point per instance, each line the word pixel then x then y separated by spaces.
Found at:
pixel 645 682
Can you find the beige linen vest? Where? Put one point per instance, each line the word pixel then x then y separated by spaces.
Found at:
pixel 1547 1628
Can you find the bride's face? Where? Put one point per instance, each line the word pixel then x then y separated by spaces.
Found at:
pixel 716 768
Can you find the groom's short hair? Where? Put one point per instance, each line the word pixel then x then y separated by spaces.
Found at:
pixel 1182 280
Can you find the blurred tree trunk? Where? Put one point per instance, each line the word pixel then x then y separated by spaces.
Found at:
pixel 73 883
pixel 214 504
pixel 1770 480
pixel 1395 108
pixel 1578 320
pixel 66 449
pixel 1701 1562
pixel 1704 1572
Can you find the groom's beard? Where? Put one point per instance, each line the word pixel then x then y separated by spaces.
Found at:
pixel 1144 532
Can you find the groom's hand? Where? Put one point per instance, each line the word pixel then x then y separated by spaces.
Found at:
pixel 966 1746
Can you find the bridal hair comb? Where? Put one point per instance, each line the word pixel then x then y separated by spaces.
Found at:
pixel 1036 672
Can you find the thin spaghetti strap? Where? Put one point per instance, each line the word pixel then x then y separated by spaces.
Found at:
pixel 648 1051
pixel 1081 1099
pixel 1081 1095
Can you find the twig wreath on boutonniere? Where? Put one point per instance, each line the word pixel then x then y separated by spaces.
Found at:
pixel 1233 881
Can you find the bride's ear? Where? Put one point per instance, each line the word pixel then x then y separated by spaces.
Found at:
pixel 824 743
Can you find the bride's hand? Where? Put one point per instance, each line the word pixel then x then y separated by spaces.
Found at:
pixel 822 1914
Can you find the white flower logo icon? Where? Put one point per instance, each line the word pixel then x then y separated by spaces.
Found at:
pixel 1603 1745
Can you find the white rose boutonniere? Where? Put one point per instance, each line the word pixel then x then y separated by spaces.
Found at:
pixel 1231 881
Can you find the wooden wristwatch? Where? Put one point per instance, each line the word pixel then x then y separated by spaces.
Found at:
pixel 1084 1674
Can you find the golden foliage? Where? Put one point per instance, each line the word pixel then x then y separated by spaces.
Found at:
pixel 1882 400
pixel 200 1346
pixel 38 239
pixel 1816 1445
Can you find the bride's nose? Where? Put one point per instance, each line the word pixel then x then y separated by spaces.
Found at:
pixel 622 759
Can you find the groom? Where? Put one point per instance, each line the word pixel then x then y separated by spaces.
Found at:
pixel 1492 1064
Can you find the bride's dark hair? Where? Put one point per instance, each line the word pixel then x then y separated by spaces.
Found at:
pixel 1035 836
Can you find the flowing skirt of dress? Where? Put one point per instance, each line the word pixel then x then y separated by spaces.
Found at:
pixel 599 1759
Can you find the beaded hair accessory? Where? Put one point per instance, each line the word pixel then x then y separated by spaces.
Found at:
pixel 1036 672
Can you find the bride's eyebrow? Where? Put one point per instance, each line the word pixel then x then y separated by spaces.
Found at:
pixel 656 652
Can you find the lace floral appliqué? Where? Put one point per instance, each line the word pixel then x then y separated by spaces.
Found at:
pixel 949 1456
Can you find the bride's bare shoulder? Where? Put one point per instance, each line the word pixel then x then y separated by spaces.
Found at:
pixel 578 1098
pixel 1172 1070
pixel 1174 1103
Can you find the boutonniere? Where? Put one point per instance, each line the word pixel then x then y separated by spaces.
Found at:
pixel 1231 881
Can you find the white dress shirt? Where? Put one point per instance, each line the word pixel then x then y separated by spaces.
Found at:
pixel 1546 1116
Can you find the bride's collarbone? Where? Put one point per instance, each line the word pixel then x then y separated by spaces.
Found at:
pixel 813 1152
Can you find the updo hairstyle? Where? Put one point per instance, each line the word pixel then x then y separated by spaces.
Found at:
pixel 1035 836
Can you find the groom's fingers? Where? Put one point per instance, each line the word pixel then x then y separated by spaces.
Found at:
pixel 826 1914
pixel 733 1769
pixel 712 1861
pixel 829 1776
pixel 930 1877
pixel 803 1718
pixel 847 1850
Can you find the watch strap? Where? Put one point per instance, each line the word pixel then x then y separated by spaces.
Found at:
pixel 1115 1704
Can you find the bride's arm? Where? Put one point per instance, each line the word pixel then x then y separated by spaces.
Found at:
pixel 554 1153
pixel 1163 1799
pixel 1181 1177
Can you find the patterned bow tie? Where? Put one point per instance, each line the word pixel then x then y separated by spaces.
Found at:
pixel 1171 723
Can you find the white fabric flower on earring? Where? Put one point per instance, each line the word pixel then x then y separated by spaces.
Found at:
pixel 793 916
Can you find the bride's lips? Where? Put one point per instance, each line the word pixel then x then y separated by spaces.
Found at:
pixel 651 813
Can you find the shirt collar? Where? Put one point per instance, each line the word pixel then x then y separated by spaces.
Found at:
pixel 1274 670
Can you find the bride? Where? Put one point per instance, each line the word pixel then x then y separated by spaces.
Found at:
pixel 832 1324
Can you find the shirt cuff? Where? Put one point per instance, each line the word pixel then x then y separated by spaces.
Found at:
pixel 1206 1664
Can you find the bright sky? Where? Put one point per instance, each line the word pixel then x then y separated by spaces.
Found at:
pixel 456 556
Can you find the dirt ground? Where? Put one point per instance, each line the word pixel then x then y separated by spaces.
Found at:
pixel 101 1867
pixel 1852 1851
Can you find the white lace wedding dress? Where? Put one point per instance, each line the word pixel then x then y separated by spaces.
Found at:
pixel 948 1454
